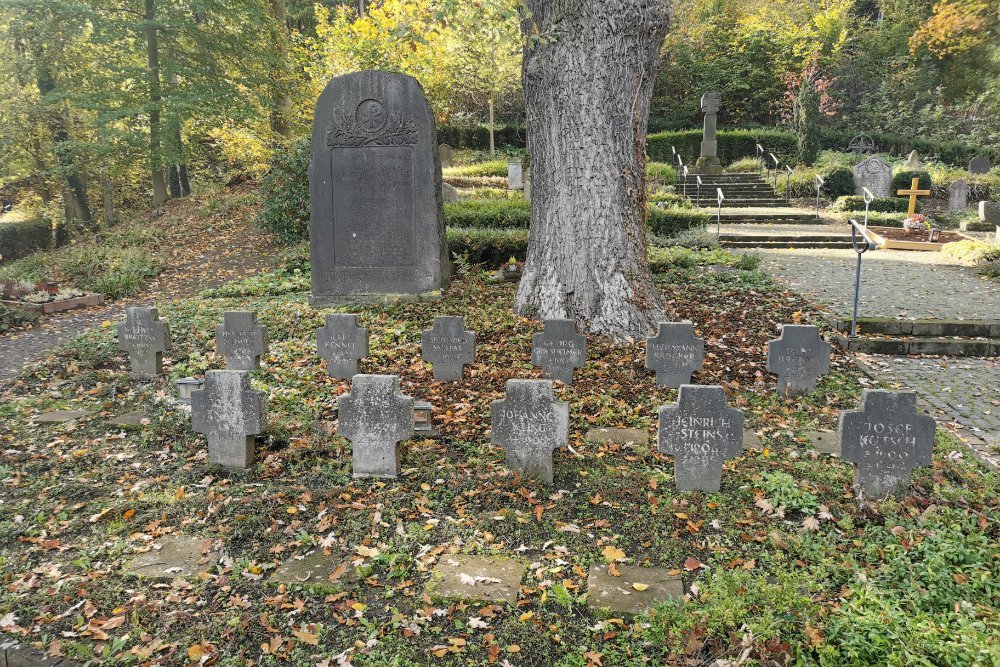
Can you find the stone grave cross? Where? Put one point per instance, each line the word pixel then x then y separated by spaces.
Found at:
pixel 241 340
pixel 229 413
pixel 376 417
pixel 913 193
pixel 798 357
pixel 708 163
pixel 530 424
pixel 885 440
pixel 448 346
pixel 558 350
pixel 342 343
pixel 674 354
pixel 145 337
pixel 700 432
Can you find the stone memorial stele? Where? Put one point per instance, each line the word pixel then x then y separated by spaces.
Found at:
pixel 449 193
pixel 701 432
pixel 558 350
pixel 376 224
pixel 913 161
pixel 875 174
pixel 530 424
pixel 446 154
pixel 342 343
pixel 674 353
pixel 241 340
pixel 376 417
pixel 798 357
pixel 708 162
pixel 885 440
pixel 449 347
pixel 958 195
pixel 989 211
pixel 145 337
pixel 980 165
pixel 515 174
pixel 229 413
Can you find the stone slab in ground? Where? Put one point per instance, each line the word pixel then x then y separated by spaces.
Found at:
pixel 621 436
pixel 621 595
pixel 826 442
pixel 486 578
pixel 59 416
pixel 175 556
pixel 312 568
pixel 751 441
pixel 130 419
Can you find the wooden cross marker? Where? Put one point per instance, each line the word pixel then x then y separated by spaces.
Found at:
pixel 913 192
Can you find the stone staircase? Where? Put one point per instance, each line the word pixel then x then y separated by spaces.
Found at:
pixel 895 337
pixel 740 190
pixel 783 241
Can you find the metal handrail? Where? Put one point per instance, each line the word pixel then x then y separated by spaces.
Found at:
pixel 718 216
pixel 859 250
pixel 869 197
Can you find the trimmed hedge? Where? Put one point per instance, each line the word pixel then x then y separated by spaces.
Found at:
pixel 491 247
pixel 478 136
pixel 879 204
pixel 838 182
pixel 477 169
pixel 902 180
pixel 19 239
pixel 671 221
pixel 733 144
pixel 488 213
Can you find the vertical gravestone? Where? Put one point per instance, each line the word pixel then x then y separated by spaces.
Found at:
pixel 448 346
pixel 229 413
pixel 530 424
pixel 701 432
pixel 875 174
pixel 241 340
pixel 376 417
pixel 708 162
pixel 958 195
pixel 341 342
pixel 886 440
pixel 675 353
pixel 376 225
pixel 446 154
pixel 559 350
pixel 979 165
pixel 145 337
pixel 515 174
pixel 798 358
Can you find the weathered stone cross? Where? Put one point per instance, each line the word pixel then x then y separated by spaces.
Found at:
pixel 145 337
pixel 559 349
pixel 342 343
pixel 241 340
pixel 674 354
pixel 529 424
pixel 701 432
pixel 798 357
pixel 913 192
pixel 376 417
pixel 230 414
pixel 448 346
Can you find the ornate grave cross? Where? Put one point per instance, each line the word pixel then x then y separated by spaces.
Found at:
pixel 530 424
pixel 448 346
pixel 559 350
pixel 700 432
pixel 376 417
pixel 241 340
pixel 145 337
pixel 674 354
pixel 229 413
pixel 342 343
pixel 860 145
pixel 913 192
pixel 798 357
pixel 886 440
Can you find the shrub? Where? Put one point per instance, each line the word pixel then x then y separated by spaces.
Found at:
pixel 488 213
pixel 285 190
pixel 903 179
pixel 839 181
pixel 499 182
pixel 491 247
pixel 14 317
pixel 478 169
pixel 19 239
pixel 746 165
pixel 879 204
pixel 969 252
pixel 664 198
pixel 478 136
pixel 673 220
pixel 660 173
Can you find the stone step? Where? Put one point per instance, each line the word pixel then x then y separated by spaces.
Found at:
pixel 902 346
pixel 787 238
pixel 923 328
pixel 785 245
pixel 743 203
pixel 741 218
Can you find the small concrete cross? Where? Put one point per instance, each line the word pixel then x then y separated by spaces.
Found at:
pixel 342 343
pixel 145 337
pixel 448 346
pixel 674 354
pixel 798 357
pixel 558 350
pixel 886 440
pixel 376 417
pixel 529 424
pixel 229 413
pixel 241 340
pixel 913 192
pixel 700 432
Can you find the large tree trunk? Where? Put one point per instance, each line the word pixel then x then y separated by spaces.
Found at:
pixel 588 74
pixel 155 97
pixel 281 99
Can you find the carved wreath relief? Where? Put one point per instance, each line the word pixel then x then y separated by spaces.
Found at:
pixel 371 124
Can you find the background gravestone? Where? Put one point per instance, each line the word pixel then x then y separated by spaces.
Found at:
pixel 798 357
pixel 229 413
pixel 700 432
pixel 958 195
pixel 376 417
pixel 530 424
pixel 376 225
pixel 446 154
pixel 708 162
pixel 886 439
pixel 875 174
pixel 979 165
pixel 515 174
pixel 448 346
pixel 342 343
pixel 145 337
pixel 674 354
pixel 989 211
pixel 559 349
pixel 241 340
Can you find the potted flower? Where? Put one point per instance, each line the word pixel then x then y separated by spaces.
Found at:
pixel 915 223
pixel 511 270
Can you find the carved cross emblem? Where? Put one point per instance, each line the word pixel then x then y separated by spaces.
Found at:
pixel 798 358
pixel 711 102
pixel 342 343
pixel 674 353
pixel 448 346
pixel 559 350
pixel 701 432
pixel 530 424
pixel 229 413
pixel 376 417
pixel 145 337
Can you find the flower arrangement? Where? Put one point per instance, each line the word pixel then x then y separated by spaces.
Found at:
pixel 916 223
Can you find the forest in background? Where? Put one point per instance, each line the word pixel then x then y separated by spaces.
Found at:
pixel 112 106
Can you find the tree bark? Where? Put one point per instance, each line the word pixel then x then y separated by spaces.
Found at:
pixel 493 149
pixel 155 97
pixel 281 102
pixel 588 77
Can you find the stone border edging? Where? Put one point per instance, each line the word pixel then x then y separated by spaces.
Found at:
pixel 13 653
